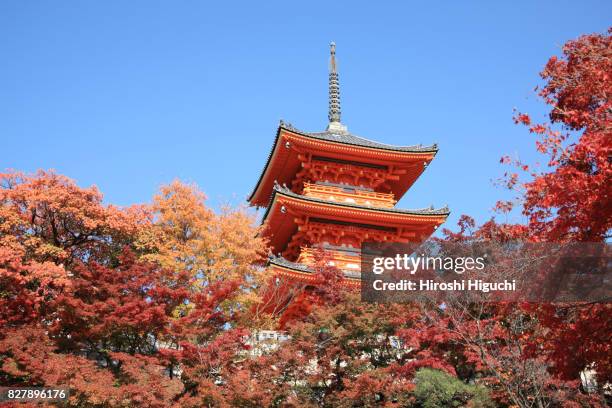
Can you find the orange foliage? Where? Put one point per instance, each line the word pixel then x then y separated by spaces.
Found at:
pixel 187 236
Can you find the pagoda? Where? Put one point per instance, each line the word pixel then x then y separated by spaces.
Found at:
pixel 335 190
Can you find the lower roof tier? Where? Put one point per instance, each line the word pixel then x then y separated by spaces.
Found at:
pixel 297 272
pixel 293 221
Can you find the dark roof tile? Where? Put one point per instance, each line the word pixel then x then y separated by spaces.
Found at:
pixel 348 138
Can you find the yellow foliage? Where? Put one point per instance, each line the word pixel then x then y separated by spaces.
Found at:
pixel 186 235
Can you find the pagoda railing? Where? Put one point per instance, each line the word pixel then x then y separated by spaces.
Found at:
pixel 352 195
pixel 343 260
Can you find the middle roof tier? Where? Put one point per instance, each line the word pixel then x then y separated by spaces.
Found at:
pixel 293 221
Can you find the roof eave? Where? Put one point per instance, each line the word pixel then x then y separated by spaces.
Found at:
pixel 294 266
pixel 284 126
pixel 435 213
pixel 263 172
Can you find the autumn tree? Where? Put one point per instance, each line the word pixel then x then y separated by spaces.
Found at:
pixel 536 352
pixel 186 235
pixel 342 351
pixel 46 217
pixel 496 340
pixel 84 302
pixel 570 199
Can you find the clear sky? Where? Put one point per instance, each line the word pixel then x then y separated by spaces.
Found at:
pixel 128 95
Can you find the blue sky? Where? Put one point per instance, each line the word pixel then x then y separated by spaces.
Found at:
pixel 130 95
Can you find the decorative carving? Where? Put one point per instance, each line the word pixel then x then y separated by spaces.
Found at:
pixel 313 233
pixel 324 171
pixel 287 125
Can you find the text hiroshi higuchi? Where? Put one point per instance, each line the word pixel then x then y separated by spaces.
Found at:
pixel 456 285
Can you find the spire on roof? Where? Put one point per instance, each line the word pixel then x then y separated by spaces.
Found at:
pixel 334 126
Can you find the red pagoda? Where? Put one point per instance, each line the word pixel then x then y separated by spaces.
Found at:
pixel 334 190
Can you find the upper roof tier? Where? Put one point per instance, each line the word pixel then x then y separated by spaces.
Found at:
pixel 293 149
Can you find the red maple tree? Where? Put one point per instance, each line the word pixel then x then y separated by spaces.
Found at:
pixel 570 200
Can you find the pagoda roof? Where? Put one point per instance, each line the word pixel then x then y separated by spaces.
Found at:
pixel 281 165
pixel 351 139
pixel 304 272
pixel 283 190
pixel 285 206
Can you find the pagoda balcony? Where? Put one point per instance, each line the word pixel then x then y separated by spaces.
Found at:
pixel 352 195
pixel 341 259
